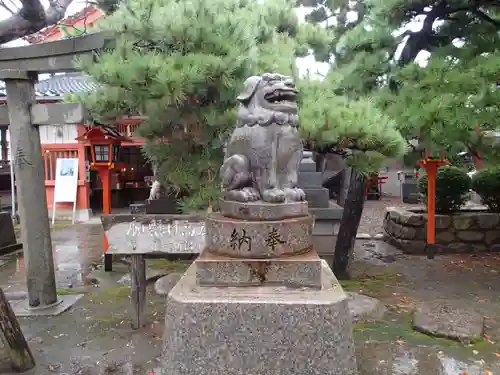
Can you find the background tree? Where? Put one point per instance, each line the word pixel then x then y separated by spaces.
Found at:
pixel 377 51
pixel 451 105
pixel 379 42
pixel 360 132
pixel 184 74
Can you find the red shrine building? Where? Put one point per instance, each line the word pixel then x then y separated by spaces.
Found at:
pixel 128 183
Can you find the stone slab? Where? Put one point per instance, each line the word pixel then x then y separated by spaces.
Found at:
pixel 317 197
pixel 332 212
pixel 410 193
pixel 325 246
pixel 262 210
pixel 445 319
pixel 258 239
pixel 364 308
pixel 258 330
pixel 303 270
pixel 150 234
pixel 7 234
pixel 307 164
pixel 310 179
pixel 21 307
pixel 326 227
pixel 165 284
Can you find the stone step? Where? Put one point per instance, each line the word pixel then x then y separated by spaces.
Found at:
pixel 307 165
pixel 302 270
pixel 310 179
pixel 332 212
pixel 317 197
pixel 326 227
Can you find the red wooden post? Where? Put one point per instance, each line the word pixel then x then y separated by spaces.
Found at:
pixel 105 175
pixel 431 166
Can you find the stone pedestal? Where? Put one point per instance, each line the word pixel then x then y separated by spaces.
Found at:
pixel 258 300
pixel 263 330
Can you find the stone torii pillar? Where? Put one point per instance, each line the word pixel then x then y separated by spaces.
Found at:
pixel 24 117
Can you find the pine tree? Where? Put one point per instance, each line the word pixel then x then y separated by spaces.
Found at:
pixel 181 64
pixel 374 54
pixel 362 134
pixel 447 103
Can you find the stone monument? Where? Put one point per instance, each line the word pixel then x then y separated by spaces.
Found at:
pixel 259 300
pixel 326 213
pixel 8 241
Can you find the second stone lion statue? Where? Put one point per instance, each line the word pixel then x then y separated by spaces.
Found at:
pixel 263 155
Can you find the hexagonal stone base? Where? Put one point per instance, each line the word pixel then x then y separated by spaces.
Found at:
pixel 262 210
pixel 258 239
pixel 444 319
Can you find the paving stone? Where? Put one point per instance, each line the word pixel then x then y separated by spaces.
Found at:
pixel 163 285
pixel 363 307
pixel 449 320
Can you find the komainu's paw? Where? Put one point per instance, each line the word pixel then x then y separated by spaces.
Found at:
pixel 252 194
pixel 273 196
pixel 246 194
pixel 294 194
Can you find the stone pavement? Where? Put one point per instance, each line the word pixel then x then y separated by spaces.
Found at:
pixel 95 337
pixel 374 212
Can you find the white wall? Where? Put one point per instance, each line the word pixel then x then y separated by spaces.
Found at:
pixel 56 134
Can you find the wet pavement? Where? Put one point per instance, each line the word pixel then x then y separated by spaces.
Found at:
pixel 374 213
pixel 95 337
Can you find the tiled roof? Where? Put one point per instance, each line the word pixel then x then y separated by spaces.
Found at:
pixel 59 85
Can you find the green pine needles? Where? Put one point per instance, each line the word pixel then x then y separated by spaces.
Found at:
pixel 181 64
pixel 337 123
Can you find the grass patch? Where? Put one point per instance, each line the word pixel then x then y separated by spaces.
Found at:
pixel 372 285
pixel 400 329
pixel 168 265
pixel 398 332
pixel 110 295
pixel 67 292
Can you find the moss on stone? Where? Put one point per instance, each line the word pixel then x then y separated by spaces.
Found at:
pixel 398 328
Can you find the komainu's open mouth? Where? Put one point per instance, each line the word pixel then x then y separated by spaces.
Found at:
pixel 281 96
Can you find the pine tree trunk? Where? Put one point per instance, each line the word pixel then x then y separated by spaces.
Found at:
pixel 353 208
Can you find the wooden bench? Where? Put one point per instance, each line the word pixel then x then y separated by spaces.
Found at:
pixel 143 236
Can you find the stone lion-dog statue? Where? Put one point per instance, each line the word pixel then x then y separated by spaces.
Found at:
pixel 263 155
